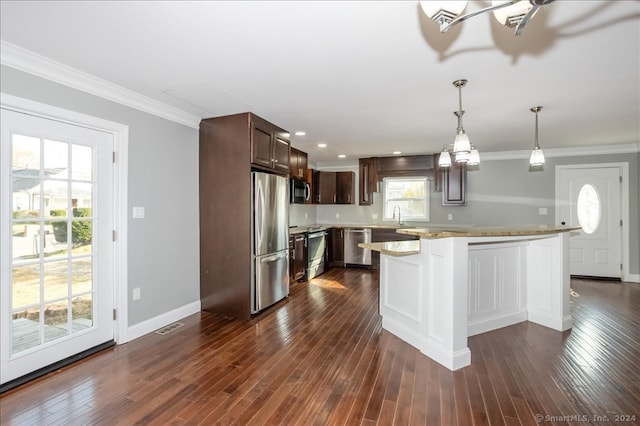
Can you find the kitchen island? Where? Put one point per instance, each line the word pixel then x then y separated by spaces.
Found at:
pixel 455 283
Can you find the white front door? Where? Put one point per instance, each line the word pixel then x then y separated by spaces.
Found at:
pixel 57 249
pixel 590 197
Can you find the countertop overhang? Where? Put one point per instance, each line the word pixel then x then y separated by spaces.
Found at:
pixel 394 248
pixel 486 231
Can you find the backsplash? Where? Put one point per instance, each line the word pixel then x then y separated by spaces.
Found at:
pixel 302 214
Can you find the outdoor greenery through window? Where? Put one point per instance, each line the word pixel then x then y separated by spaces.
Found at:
pixel 408 194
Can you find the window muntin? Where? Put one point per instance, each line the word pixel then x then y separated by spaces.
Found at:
pixel 409 194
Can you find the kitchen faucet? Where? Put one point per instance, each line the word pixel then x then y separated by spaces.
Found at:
pixel 394 215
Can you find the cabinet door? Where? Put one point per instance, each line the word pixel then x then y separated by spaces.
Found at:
pixel 303 161
pixel 298 262
pixel 311 177
pixel 298 164
pixel 454 189
pixel 261 148
pixel 345 187
pixel 294 159
pixel 337 246
pixel 281 151
pixel 368 181
pixel 326 188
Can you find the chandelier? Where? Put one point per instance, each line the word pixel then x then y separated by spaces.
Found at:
pixel 462 149
pixel 511 13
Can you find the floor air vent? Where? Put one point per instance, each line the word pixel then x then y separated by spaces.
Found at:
pixel 169 328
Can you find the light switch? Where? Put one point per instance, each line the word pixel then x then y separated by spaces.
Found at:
pixel 138 212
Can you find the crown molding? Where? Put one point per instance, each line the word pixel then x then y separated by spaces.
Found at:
pixel 625 148
pixel 24 60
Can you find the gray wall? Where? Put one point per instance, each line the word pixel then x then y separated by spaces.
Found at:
pixel 500 192
pixel 163 248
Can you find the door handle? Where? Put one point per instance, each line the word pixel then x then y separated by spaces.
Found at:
pixel 273 257
pixel 563 223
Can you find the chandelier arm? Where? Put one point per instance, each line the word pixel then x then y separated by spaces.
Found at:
pixel 525 20
pixel 444 27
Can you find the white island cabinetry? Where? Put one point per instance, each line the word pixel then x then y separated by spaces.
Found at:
pixel 449 285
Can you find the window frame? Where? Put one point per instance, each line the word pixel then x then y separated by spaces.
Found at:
pixel 387 215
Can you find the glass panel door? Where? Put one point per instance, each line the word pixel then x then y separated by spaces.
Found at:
pixel 58 258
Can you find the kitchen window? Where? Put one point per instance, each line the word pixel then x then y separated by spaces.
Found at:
pixel 409 195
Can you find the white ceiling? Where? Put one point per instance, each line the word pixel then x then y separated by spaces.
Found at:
pixel 365 77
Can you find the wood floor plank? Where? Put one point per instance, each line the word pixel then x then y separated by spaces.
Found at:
pixel 321 357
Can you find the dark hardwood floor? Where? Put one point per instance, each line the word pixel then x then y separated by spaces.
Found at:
pixel 322 358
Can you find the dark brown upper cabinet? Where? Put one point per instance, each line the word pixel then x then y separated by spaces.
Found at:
pixel 368 180
pixel 454 180
pixel 298 164
pixel 270 146
pixel 345 187
pixel 406 165
pixel 334 187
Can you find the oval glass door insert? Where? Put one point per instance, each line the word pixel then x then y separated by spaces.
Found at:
pixel 589 208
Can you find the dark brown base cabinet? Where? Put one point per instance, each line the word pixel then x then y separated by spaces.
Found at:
pixel 297 260
pixel 228 147
pixel 336 247
pixel 381 235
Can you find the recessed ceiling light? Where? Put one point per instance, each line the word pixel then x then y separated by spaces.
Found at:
pixel 300 133
pixel 341 156
pixel 397 152
pixel 322 145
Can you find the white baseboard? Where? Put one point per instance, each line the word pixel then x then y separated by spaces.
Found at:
pixel 491 324
pixel 152 324
pixel 633 278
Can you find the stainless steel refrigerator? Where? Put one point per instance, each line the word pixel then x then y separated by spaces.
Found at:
pixel 270 244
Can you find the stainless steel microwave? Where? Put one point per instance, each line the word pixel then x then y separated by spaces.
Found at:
pixel 300 191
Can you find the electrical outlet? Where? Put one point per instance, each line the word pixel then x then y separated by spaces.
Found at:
pixel 374 216
pixel 542 211
pixel 450 217
pixel 337 215
pixel 306 215
pixel 136 293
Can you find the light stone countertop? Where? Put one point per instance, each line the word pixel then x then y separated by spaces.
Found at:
pixel 394 248
pixel 486 231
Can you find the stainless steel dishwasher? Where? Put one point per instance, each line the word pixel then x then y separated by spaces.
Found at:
pixel 354 255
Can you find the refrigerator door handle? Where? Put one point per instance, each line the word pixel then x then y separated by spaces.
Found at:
pixel 271 258
pixel 259 209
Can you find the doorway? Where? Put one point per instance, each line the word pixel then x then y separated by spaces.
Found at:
pixel 57 256
pixel 592 196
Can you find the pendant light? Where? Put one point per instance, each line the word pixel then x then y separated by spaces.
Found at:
pixel 537 156
pixel 461 149
pixel 444 160
pixel 474 156
pixel 461 145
